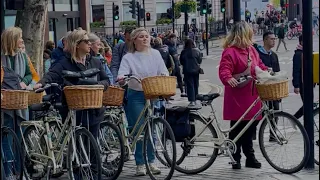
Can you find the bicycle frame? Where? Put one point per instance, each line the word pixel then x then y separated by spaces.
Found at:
pixel 67 133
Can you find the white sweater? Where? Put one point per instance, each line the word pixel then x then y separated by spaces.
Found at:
pixel 142 65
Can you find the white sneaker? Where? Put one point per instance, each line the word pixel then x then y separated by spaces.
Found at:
pixel 154 169
pixel 141 170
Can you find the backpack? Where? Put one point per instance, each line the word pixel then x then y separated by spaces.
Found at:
pixel 179 120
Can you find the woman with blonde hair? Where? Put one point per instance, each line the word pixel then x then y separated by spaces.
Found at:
pixel 77 59
pixel 17 75
pixel 141 61
pixel 239 60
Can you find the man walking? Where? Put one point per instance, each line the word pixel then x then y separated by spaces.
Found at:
pixel 281 34
pixel 270 59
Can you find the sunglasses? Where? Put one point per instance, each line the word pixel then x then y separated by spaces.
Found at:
pixel 84 40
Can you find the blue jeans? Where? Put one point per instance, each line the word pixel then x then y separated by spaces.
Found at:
pixel 135 105
pixel 7 150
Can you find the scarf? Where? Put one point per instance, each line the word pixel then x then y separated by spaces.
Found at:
pixel 20 69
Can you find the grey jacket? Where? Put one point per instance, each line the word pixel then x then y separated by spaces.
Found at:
pixel 118 52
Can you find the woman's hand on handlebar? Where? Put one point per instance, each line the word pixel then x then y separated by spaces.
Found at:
pixel 121 81
pixel 37 86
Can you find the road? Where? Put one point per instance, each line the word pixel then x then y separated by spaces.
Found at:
pixel 221 170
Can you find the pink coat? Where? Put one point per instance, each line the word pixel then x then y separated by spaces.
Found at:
pixel 238 100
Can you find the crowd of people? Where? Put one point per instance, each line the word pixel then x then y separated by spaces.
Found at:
pixel 144 56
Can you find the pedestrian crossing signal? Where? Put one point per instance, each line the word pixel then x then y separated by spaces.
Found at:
pixel 115 10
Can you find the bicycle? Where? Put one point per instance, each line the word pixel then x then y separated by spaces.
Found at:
pixel 293 33
pixel 217 138
pixel 49 152
pixel 145 131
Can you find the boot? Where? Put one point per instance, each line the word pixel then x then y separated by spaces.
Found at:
pixel 237 165
pixel 253 163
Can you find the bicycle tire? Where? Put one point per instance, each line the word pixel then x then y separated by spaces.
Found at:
pixel 28 163
pixel 212 158
pixel 316 112
pixel 172 162
pixel 6 130
pixel 116 174
pixel 95 149
pixel 289 35
pixel 201 46
pixel 305 138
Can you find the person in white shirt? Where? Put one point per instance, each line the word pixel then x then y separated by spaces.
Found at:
pixel 141 61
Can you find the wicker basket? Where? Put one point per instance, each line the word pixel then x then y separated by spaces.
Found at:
pixel 34 98
pixel 84 96
pixel 273 91
pixel 159 86
pixel 14 99
pixel 113 96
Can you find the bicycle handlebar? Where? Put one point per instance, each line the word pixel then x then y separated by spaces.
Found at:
pixel 40 90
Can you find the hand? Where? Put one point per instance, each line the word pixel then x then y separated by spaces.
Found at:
pixel 23 85
pixel 37 86
pixel 297 90
pixel 121 81
pixel 233 82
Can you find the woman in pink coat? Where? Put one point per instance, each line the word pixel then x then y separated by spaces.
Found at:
pixel 238 51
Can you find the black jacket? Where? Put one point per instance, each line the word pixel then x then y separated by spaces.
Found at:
pixel 191 59
pixel 55 76
pixel 270 59
pixel 297 69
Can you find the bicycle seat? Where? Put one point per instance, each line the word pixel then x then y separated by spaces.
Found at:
pixel 207 97
pixel 40 107
pixel 80 74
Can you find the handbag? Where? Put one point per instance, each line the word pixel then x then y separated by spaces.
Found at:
pixel 244 78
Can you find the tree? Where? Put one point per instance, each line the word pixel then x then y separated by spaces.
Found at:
pixel 32 21
pixel 181 6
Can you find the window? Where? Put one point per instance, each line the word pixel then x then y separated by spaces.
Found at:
pixel 75 5
pixel 50 5
pixel 9 21
pixel 76 22
pixel 62 5
pixel 98 13
pixel 69 24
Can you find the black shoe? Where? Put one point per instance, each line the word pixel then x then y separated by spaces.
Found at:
pixel 253 163
pixel 237 165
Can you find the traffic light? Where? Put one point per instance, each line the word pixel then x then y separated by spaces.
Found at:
pixel 223 6
pixel 204 7
pixel 209 9
pixel 115 12
pixel 199 4
pixel 142 13
pixel 148 15
pixel 169 13
pixel 282 4
pixel 133 8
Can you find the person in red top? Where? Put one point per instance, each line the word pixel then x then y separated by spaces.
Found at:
pixel 238 51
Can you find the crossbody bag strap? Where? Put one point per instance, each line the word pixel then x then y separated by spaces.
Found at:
pixel 247 71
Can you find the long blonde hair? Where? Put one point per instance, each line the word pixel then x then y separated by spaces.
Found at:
pixel 73 40
pixel 240 35
pixel 9 40
pixel 135 33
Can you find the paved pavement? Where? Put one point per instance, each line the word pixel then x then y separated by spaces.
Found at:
pixel 221 170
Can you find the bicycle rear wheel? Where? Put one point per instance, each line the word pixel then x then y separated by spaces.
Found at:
pixel 276 137
pixel 316 135
pixel 151 149
pixel 85 157
pixel 112 150
pixel 11 156
pixel 290 35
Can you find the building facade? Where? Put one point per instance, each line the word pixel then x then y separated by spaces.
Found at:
pixel 63 16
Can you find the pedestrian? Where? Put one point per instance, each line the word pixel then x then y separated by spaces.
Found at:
pixel 150 63
pixel 58 53
pixel 171 43
pixel 50 45
pixel 297 80
pixel 95 54
pixel 119 51
pixel 271 60
pixel 17 76
pixel 46 60
pixel 190 60
pixel 281 34
pixel 239 59
pixel 164 51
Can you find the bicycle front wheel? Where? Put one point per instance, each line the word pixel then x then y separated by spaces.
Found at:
pixel 289 35
pixel 154 146
pixel 83 160
pixel 281 130
pixel 11 156
pixel 316 135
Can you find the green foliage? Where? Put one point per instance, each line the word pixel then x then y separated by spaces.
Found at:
pixel 132 23
pixel 97 24
pixel 211 19
pixel 187 5
pixel 163 21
